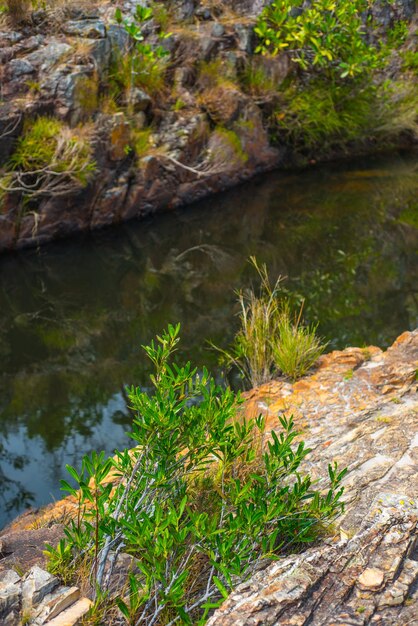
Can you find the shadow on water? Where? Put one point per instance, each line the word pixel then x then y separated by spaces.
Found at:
pixel 74 314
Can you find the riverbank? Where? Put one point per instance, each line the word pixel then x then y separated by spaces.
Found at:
pixel 86 143
pixel 359 408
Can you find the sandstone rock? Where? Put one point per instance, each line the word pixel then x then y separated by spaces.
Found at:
pixel 118 37
pixel 245 37
pixel 72 615
pixel 10 601
pixel 370 575
pixel 224 104
pixel 371 579
pixel 36 585
pixel 8 577
pixel 92 29
pixel 49 55
pixel 24 548
pixel 55 603
pixel 19 67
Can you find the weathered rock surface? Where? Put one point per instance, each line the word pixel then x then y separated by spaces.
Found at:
pixel 368 579
pixel 37 598
pixel 359 408
pixel 23 548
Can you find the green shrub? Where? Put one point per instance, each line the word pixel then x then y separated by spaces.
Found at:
pixel 321 113
pixel 325 35
pixel 144 65
pixel 199 502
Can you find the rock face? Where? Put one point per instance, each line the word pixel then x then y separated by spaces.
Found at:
pixel 359 408
pixel 369 579
pixel 62 64
pixel 37 598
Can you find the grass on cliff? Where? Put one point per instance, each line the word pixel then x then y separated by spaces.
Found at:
pixel 202 500
pixel 49 159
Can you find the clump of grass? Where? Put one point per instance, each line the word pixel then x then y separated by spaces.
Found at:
pixel 256 81
pixel 86 94
pixel 141 141
pixel 216 73
pixel 298 346
pixel 252 350
pixel 132 70
pixel 271 340
pixel 49 159
pixel 226 149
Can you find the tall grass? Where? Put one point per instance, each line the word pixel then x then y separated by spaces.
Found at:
pixel 298 347
pixel 271 339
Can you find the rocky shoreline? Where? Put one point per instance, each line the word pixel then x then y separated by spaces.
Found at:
pixel 57 65
pixel 360 408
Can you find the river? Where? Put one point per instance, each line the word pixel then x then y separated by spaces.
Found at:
pixel 73 315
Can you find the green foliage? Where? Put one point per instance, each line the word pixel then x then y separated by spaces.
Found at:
pixel 397 35
pixel 141 141
pixel 144 65
pixel 36 147
pixel 326 35
pixel 321 116
pixel 50 158
pixel 199 502
pixel 298 347
pixel 321 113
pixel 59 559
pixel 269 341
pixel 179 105
pixel 410 60
pixel 256 81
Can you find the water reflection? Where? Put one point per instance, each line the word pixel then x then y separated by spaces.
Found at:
pixel 73 315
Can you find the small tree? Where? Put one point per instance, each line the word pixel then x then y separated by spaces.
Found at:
pixel 203 497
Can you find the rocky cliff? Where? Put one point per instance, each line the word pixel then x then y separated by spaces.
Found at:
pixel 198 129
pixel 360 408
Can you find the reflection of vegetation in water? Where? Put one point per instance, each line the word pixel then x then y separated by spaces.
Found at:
pixel 13 494
pixel 73 316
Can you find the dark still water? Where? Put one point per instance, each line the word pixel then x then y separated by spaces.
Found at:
pixel 74 314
